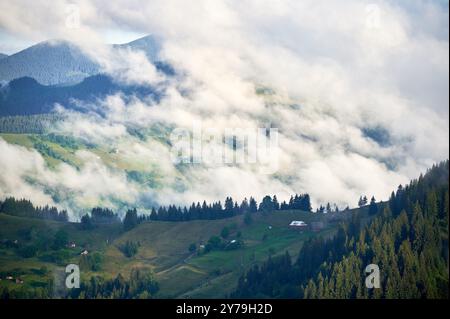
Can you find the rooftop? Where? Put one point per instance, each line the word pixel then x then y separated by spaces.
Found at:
pixel 298 223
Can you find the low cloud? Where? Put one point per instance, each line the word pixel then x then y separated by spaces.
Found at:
pixel 24 174
pixel 323 73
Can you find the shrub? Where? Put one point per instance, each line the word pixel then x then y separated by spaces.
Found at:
pixel 225 233
pixel 129 249
pixel 28 251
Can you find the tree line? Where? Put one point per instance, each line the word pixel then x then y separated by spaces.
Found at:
pixel 197 211
pixel 24 208
pixel 27 124
pixel 230 208
pixel 173 213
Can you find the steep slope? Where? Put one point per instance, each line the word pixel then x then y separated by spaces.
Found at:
pixel 163 247
pixel 407 240
pixel 25 96
pixel 2 56
pixel 50 63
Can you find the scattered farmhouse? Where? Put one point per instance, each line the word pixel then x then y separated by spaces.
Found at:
pixel 298 224
pixel 84 253
pixel 72 245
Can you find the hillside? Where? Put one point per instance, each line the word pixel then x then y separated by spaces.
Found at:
pixel 50 63
pixel 408 241
pixel 163 249
pixel 246 256
pixel 25 96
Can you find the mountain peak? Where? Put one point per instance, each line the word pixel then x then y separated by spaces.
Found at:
pixel 51 62
pixel 43 45
pixel 60 62
pixel 150 44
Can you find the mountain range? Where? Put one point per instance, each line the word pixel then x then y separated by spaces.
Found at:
pixel 58 72
pixel 58 62
pixel 25 96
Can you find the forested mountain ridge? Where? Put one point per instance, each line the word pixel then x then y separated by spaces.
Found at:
pixel 25 96
pixel 59 62
pixel 50 63
pixel 408 240
pixel 29 124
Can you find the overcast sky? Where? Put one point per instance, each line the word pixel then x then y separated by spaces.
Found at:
pixel 348 65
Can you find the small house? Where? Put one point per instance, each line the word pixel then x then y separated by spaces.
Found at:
pixel 84 253
pixel 298 224
pixel 72 245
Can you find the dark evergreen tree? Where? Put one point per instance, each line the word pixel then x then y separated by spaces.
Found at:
pixel 86 222
pixel 266 205
pixel 153 214
pixel 104 216
pixel 275 204
pixel 24 208
pixel 131 220
pixel 373 207
pixel 253 206
pixel 408 239
pixel 244 206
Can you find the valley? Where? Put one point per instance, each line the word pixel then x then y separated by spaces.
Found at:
pixel 219 150
pixel 163 249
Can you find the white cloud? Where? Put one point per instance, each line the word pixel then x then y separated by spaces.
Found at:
pixel 336 68
pixel 24 174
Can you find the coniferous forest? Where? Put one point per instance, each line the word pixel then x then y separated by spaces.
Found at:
pixel 205 211
pixel 405 237
pixel 269 152
pixel 407 240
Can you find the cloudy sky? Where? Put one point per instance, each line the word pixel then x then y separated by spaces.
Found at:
pixel 339 70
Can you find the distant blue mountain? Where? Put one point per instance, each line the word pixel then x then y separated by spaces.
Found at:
pixel 149 44
pixel 2 56
pixel 25 96
pixel 50 63
pixel 62 63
